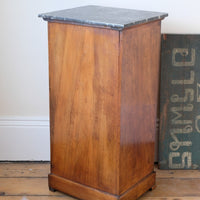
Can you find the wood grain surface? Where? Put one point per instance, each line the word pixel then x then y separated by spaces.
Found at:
pixel 15 187
pixel 84 105
pixel 37 198
pixel 177 174
pixel 140 53
pixel 71 198
pixel 24 170
pixel 103 105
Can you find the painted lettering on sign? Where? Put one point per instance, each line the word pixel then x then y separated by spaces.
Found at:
pixel 183 52
pixel 186 160
pixel 198 92
pixel 179 136
pixel 181 104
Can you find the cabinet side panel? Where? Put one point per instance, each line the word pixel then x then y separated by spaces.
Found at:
pixel 84 105
pixel 140 55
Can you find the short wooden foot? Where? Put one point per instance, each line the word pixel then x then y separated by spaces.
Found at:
pixel 152 188
pixel 52 189
pixel 2 193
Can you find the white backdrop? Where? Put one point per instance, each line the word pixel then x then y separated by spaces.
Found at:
pixel 24 125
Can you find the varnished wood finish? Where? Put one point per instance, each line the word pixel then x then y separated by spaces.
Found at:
pixel 140 188
pixel 84 192
pixel 84 105
pixel 78 190
pixel 103 100
pixel 140 52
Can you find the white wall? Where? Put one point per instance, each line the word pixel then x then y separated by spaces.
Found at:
pixel 24 66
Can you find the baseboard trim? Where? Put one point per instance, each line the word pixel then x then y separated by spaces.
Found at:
pixel 25 162
pixel 24 121
pixel 24 138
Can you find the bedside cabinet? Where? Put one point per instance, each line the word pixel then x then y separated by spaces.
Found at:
pixel 104 79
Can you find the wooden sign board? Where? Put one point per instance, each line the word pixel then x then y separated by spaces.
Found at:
pixel 179 139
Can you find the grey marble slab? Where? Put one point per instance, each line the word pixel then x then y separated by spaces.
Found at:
pixel 115 18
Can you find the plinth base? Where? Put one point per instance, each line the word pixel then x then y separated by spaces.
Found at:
pixel 87 193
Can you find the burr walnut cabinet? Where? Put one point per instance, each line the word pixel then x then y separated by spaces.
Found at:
pixel 103 74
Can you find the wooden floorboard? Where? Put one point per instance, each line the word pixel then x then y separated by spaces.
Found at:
pixel 169 198
pixel 176 187
pixel 41 170
pixel 25 186
pixel 24 169
pixel 28 181
pixel 70 198
pixel 36 198
pixel 177 173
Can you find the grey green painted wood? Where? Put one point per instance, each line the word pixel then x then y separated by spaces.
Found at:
pixel 179 139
